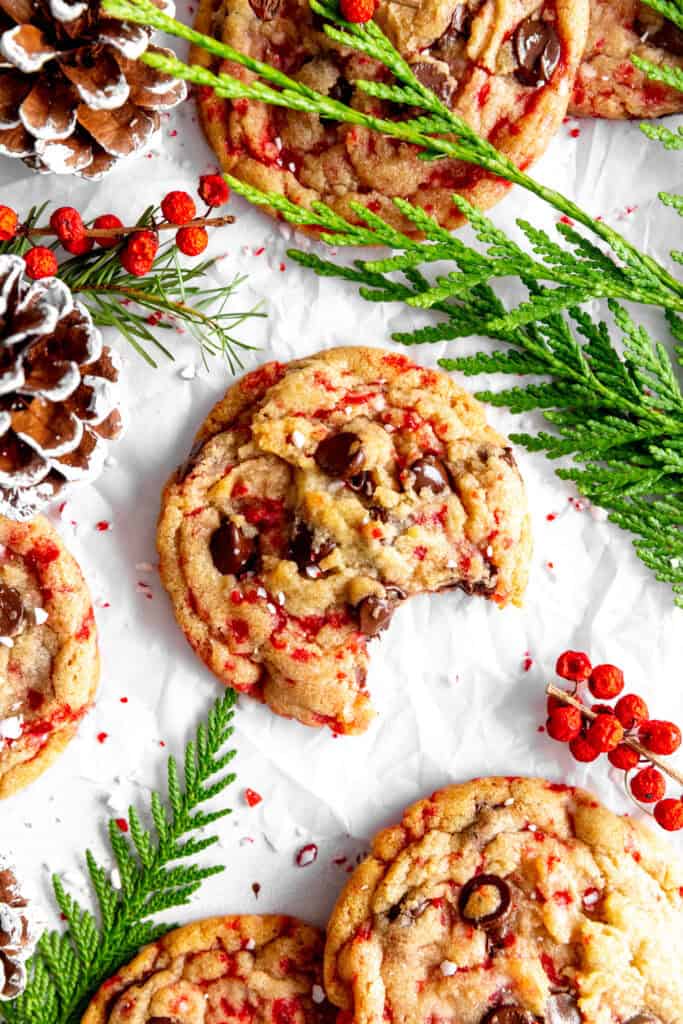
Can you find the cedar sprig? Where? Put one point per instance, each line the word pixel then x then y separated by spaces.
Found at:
pixel 158 869
pixel 172 297
pixel 670 76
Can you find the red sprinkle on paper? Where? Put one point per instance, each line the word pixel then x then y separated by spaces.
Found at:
pixel 307 855
pixel 124 700
pixel 575 132
pixel 121 824
pixel 527 663
pixel 102 526
pixel 102 736
pixel 551 517
pixel 564 219
pixel 252 797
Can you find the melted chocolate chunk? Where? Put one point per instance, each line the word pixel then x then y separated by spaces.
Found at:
pixel 342 91
pixel 562 1009
pixel 481 882
pixel 265 10
pixel 375 613
pixel 190 462
pixel 669 37
pixel 231 549
pixel 508 1015
pixel 340 455
pixel 430 474
pixel 435 78
pixel 537 50
pixel 362 483
pixel 305 551
pixel 11 611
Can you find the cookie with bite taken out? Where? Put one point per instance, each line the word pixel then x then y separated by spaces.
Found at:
pixel 319 496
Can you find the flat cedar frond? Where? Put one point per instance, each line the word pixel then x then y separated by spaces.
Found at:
pixel 156 874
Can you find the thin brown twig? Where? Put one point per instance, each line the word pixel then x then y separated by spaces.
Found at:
pixel 566 698
pixel 199 222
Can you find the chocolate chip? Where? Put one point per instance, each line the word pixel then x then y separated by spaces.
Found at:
pixel 190 462
pixel 362 483
pixel 340 455
pixel 669 37
pixel 342 91
pixel 266 10
pixel 305 550
pixel 481 882
pixel 537 50
pixel 375 613
pixel 508 1015
pixel 11 611
pixel 430 474
pixel 562 1009
pixel 435 78
pixel 231 549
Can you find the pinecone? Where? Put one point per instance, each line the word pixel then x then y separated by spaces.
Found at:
pixel 17 932
pixel 74 99
pixel 58 391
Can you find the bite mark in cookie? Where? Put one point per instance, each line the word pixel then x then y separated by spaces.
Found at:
pixel 506 68
pixel 322 494
pixel 258 970
pixel 607 83
pixel 49 665
pixel 510 901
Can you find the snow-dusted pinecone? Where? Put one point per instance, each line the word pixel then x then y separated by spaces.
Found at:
pixel 59 393
pixel 74 99
pixel 17 931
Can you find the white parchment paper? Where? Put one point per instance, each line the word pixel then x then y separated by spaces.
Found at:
pixel 449 679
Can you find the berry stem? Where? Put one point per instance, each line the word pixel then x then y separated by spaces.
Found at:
pixel 566 698
pixel 210 222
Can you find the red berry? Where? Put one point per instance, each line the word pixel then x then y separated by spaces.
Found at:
pixel 648 786
pixel 108 221
pixel 192 241
pixel 67 224
pixel 605 733
pixel 564 724
pixel 137 255
pixel 660 737
pixel 213 189
pixel 40 262
pixel 357 11
pixel 9 223
pixel 582 750
pixel 252 797
pixel 79 246
pixel 574 665
pixel 606 682
pixel 623 757
pixel 178 208
pixel 631 710
pixel 669 814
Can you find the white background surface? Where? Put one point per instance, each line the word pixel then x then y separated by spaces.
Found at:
pixel 448 678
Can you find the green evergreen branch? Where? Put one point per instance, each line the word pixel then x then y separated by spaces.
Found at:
pixel 68 967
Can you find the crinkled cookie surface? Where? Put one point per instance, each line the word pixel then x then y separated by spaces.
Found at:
pixel 607 83
pixel 49 663
pixel 256 970
pixel 510 901
pixel 505 66
pixel 319 495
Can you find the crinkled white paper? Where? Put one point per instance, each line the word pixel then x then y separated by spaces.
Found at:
pixel 455 699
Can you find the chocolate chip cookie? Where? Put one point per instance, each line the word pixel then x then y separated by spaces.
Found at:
pixel 318 496
pixel 608 84
pixel 510 901
pixel 256 970
pixel 49 664
pixel 505 66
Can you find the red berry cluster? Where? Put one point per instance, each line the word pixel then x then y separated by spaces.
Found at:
pixel 357 11
pixel 138 249
pixel 608 730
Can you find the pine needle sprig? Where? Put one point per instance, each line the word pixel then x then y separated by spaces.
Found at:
pixel 157 873
pixel 667 75
pixel 173 297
